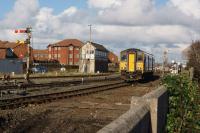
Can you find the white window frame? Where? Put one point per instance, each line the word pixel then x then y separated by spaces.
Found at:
pixel 70 56
pixel 71 47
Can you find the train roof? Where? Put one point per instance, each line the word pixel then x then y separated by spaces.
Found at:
pixel 135 49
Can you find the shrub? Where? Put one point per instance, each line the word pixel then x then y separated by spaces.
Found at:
pixel 183 104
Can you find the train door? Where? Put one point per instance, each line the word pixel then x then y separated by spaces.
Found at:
pixel 131 62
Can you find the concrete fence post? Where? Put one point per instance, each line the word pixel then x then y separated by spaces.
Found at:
pixel 158 103
pixel 147 114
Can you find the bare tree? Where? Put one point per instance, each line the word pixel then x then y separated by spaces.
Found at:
pixel 193 56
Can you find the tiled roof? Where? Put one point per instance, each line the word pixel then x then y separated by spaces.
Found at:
pixel 99 47
pixel 6 44
pixel 67 42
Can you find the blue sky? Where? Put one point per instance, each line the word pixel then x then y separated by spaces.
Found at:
pixel 161 2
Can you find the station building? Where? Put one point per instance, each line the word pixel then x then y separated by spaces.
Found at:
pixel 94 58
pixel 66 52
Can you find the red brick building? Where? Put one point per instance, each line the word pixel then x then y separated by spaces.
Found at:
pixel 112 58
pixel 40 54
pixel 66 51
pixel 113 65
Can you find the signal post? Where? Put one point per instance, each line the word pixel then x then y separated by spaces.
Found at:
pixel 27 31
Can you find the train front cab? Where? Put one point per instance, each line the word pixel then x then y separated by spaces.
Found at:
pixel 131 66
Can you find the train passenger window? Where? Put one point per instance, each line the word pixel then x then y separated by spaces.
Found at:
pixel 139 56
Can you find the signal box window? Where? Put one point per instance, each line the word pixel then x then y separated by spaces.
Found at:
pixel 139 56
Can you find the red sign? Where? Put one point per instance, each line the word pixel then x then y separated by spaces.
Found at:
pixel 20 31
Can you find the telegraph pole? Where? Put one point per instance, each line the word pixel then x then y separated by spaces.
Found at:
pixel 90 32
pixel 89 53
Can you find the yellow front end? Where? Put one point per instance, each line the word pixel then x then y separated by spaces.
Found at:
pixel 131 62
pixel 140 66
pixel 123 65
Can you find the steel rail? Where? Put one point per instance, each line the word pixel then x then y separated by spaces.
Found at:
pixel 42 98
pixel 66 76
pixel 54 84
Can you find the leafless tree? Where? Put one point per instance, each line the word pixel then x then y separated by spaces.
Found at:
pixel 193 56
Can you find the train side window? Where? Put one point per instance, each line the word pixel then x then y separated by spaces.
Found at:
pixel 139 56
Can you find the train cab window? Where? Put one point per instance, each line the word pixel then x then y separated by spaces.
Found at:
pixel 124 57
pixel 139 56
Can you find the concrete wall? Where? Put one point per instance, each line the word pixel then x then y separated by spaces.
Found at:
pixel 147 114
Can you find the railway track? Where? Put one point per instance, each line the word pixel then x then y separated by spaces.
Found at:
pixel 55 83
pixel 43 98
pixel 66 76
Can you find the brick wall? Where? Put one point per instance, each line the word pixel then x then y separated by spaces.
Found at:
pixel 112 58
pixel 65 55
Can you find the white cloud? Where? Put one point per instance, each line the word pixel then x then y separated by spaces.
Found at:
pixel 104 3
pixel 68 12
pixel 188 7
pixel 119 24
pixel 21 14
pixel 128 12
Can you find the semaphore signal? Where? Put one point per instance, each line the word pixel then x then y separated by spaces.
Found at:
pixel 28 31
pixel 20 31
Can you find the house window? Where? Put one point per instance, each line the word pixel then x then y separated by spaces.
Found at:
pixel 58 55
pixel 70 63
pixel 71 48
pixel 92 52
pixel 70 55
pixel 49 56
pixel 77 55
pixel 77 48
pixel 49 48
pixel 58 48
pixel 55 55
